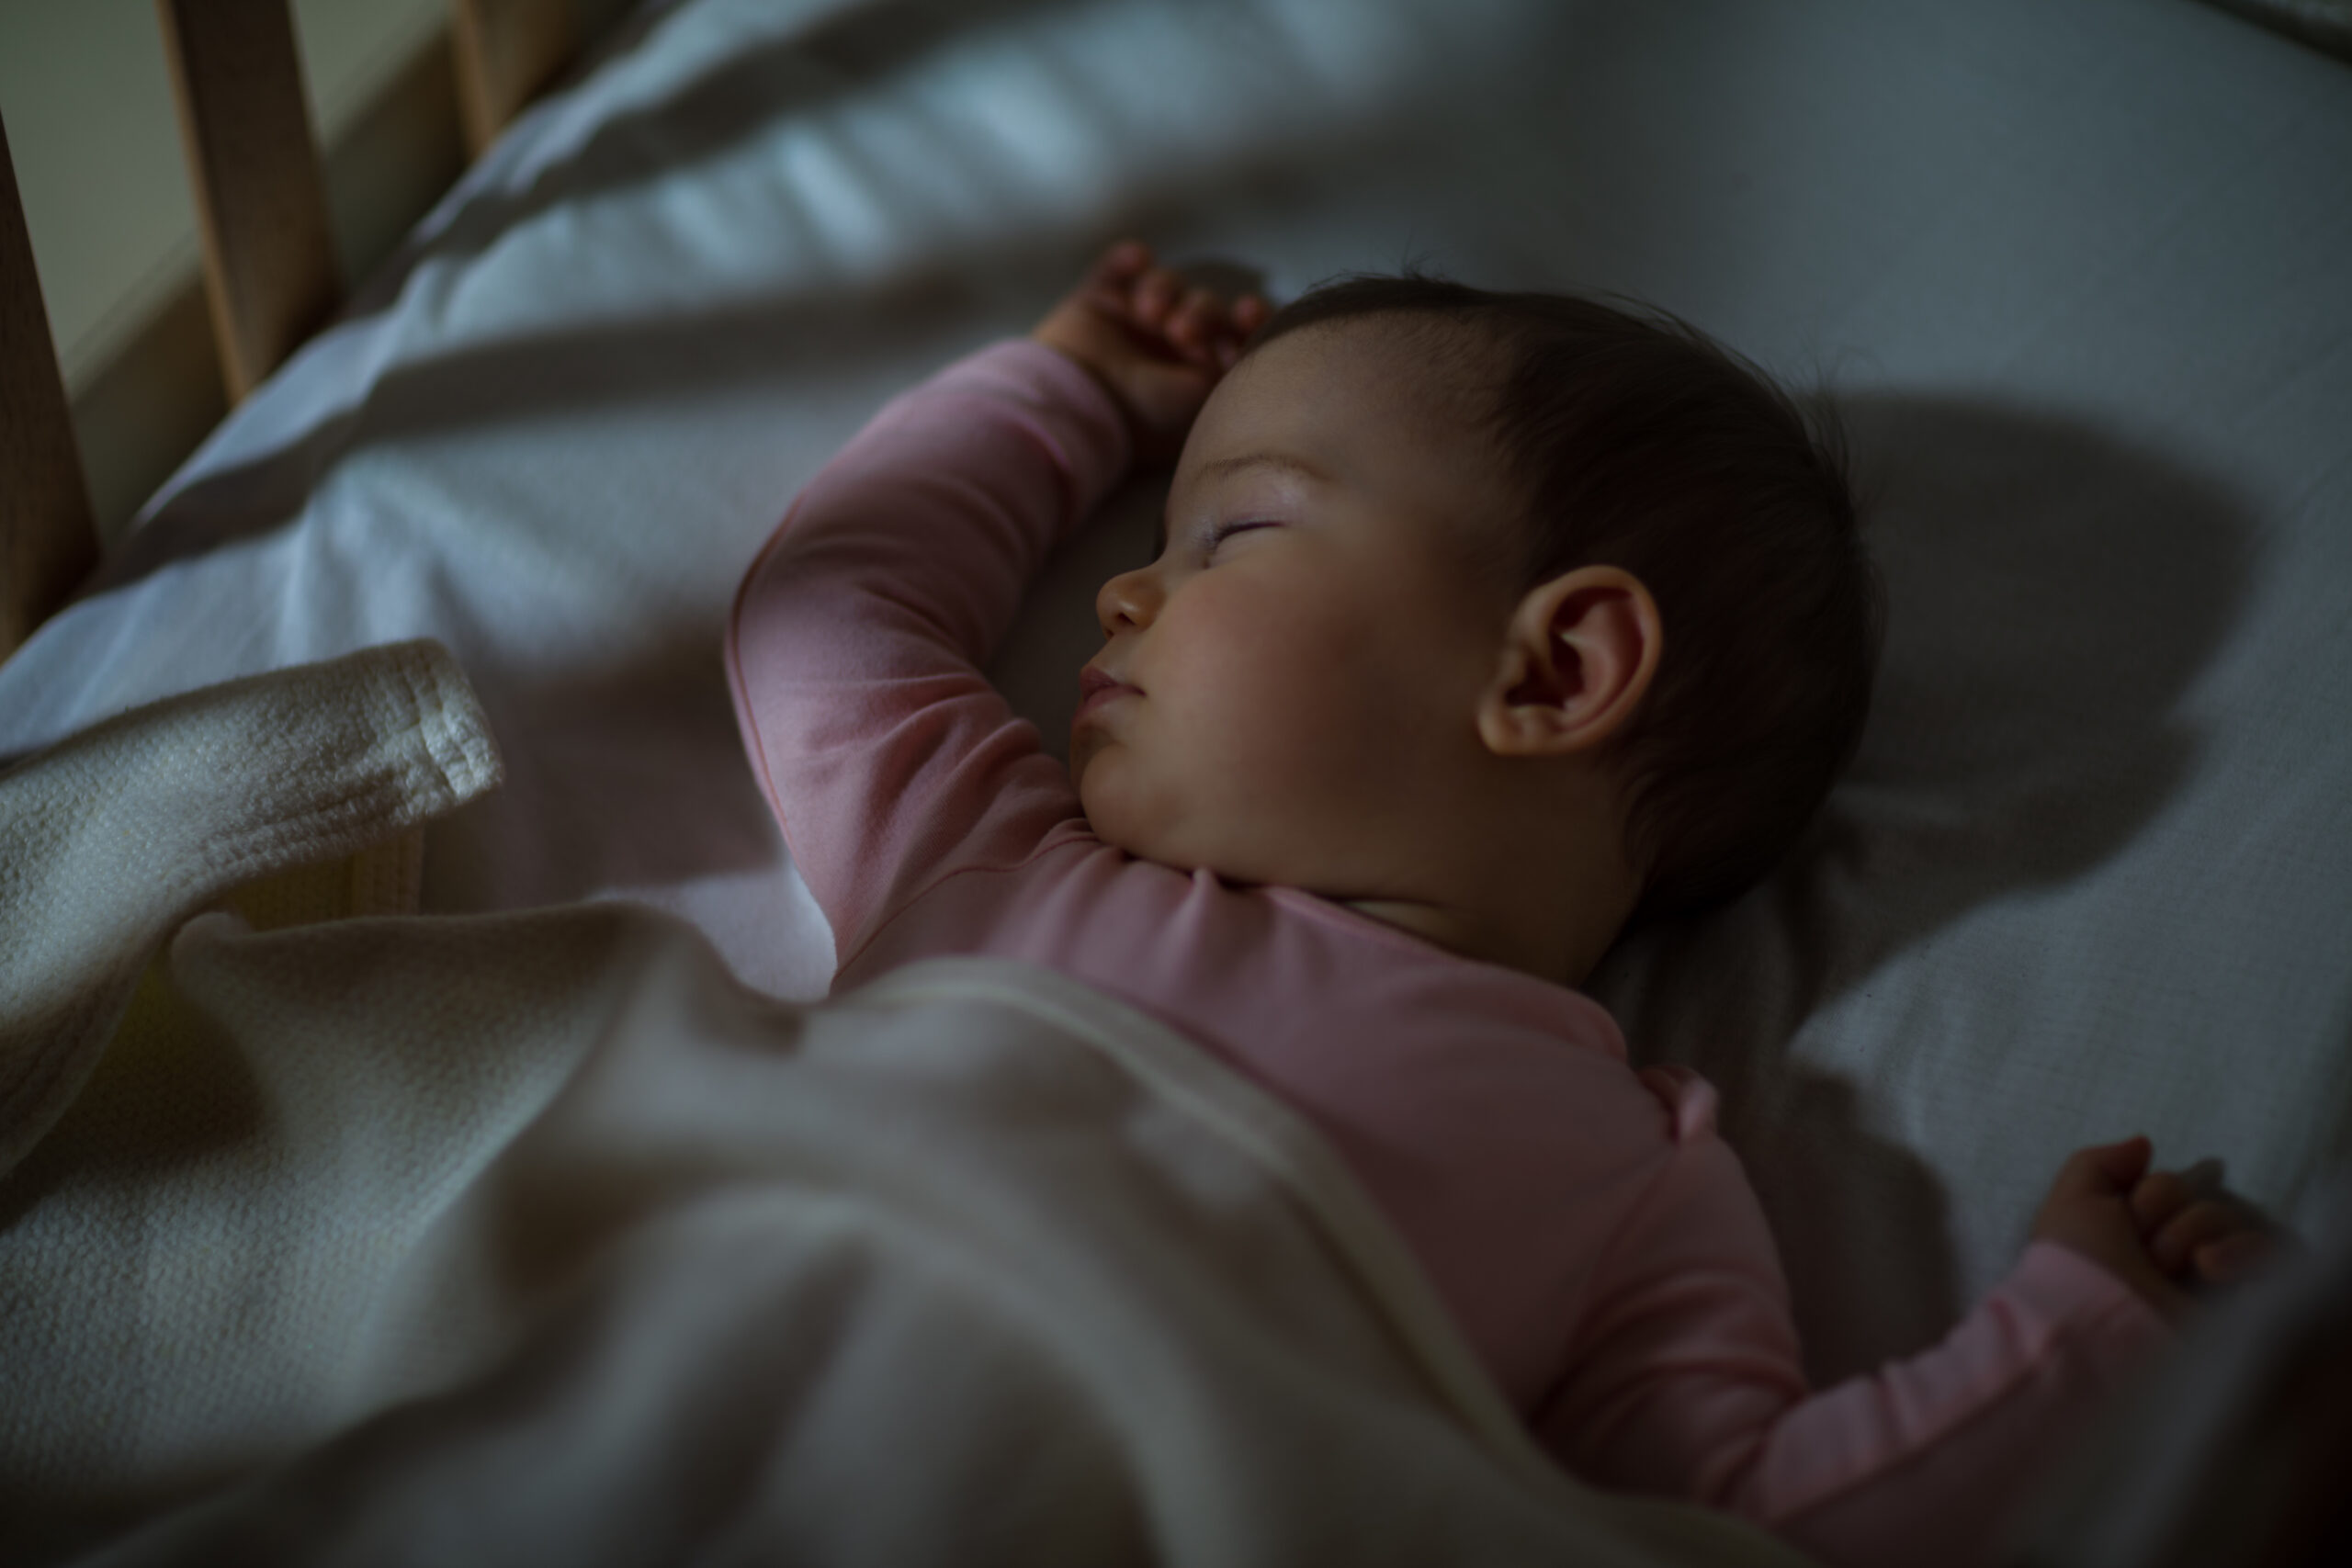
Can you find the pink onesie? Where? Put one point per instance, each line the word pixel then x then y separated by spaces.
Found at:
pixel 1598 1244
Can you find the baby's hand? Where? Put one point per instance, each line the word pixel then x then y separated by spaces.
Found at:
pixel 2198 1233
pixel 2153 1230
pixel 1157 345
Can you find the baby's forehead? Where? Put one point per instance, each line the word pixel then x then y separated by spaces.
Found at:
pixel 1417 372
pixel 1431 349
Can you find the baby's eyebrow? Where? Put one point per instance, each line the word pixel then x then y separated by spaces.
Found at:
pixel 1282 460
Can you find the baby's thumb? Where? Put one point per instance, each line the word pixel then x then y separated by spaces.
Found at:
pixel 2105 1171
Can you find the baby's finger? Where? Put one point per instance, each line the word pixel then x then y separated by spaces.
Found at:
pixel 2158 1196
pixel 2234 1256
pixel 1125 260
pixel 1109 285
pixel 2203 1222
pixel 1156 294
pixel 1239 321
pixel 1190 326
pixel 2103 1172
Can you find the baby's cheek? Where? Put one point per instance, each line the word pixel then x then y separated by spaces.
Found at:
pixel 1238 700
pixel 1282 721
pixel 1314 685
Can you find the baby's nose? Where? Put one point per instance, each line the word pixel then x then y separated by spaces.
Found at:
pixel 1130 599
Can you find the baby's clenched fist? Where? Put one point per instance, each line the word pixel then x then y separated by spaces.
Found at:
pixel 1156 342
pixel 2154 1230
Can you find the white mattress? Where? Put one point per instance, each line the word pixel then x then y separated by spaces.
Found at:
pixel 2075 272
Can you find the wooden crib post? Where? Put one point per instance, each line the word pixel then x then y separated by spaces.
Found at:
pixel 48 542
pixel 507 50
pixel 269 267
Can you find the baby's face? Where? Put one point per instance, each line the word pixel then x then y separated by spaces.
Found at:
pixel 1308 651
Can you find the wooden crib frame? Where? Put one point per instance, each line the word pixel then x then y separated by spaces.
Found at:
pixel 269 268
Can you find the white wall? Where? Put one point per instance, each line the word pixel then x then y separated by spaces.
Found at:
pixel 92 128
pixel 95 137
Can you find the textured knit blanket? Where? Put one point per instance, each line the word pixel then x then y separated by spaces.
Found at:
pixel 538 1238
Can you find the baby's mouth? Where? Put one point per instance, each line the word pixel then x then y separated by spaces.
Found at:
pixel 1097 690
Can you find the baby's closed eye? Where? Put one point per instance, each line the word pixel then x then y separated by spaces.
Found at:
pixel 1224 531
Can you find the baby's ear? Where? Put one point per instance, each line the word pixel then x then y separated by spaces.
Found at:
pixel 1576 662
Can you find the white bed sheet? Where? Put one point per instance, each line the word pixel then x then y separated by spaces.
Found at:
pixel 2075 272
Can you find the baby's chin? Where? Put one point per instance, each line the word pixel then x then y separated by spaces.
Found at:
pixel 1108 822
pixel 1165 847
pixel 1156 819
pixel 1116 821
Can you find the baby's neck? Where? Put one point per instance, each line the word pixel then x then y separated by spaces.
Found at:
pixel 1533 874
pixel 1561 944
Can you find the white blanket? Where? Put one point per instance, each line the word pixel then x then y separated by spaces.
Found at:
pixel 113 837
pixel 538 1238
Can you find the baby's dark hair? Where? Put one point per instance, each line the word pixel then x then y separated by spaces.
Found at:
pixel 1639 442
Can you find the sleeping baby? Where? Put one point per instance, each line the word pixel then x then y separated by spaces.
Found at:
pixel 1483 624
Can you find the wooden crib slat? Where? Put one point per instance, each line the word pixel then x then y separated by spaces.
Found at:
pixel 269 267
pixel 507 51
pixel 48 541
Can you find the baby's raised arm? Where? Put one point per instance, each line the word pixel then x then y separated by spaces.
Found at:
pixel 855 648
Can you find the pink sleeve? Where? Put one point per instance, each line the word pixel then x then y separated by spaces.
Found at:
pixel 1686 1379
pixel 857 638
